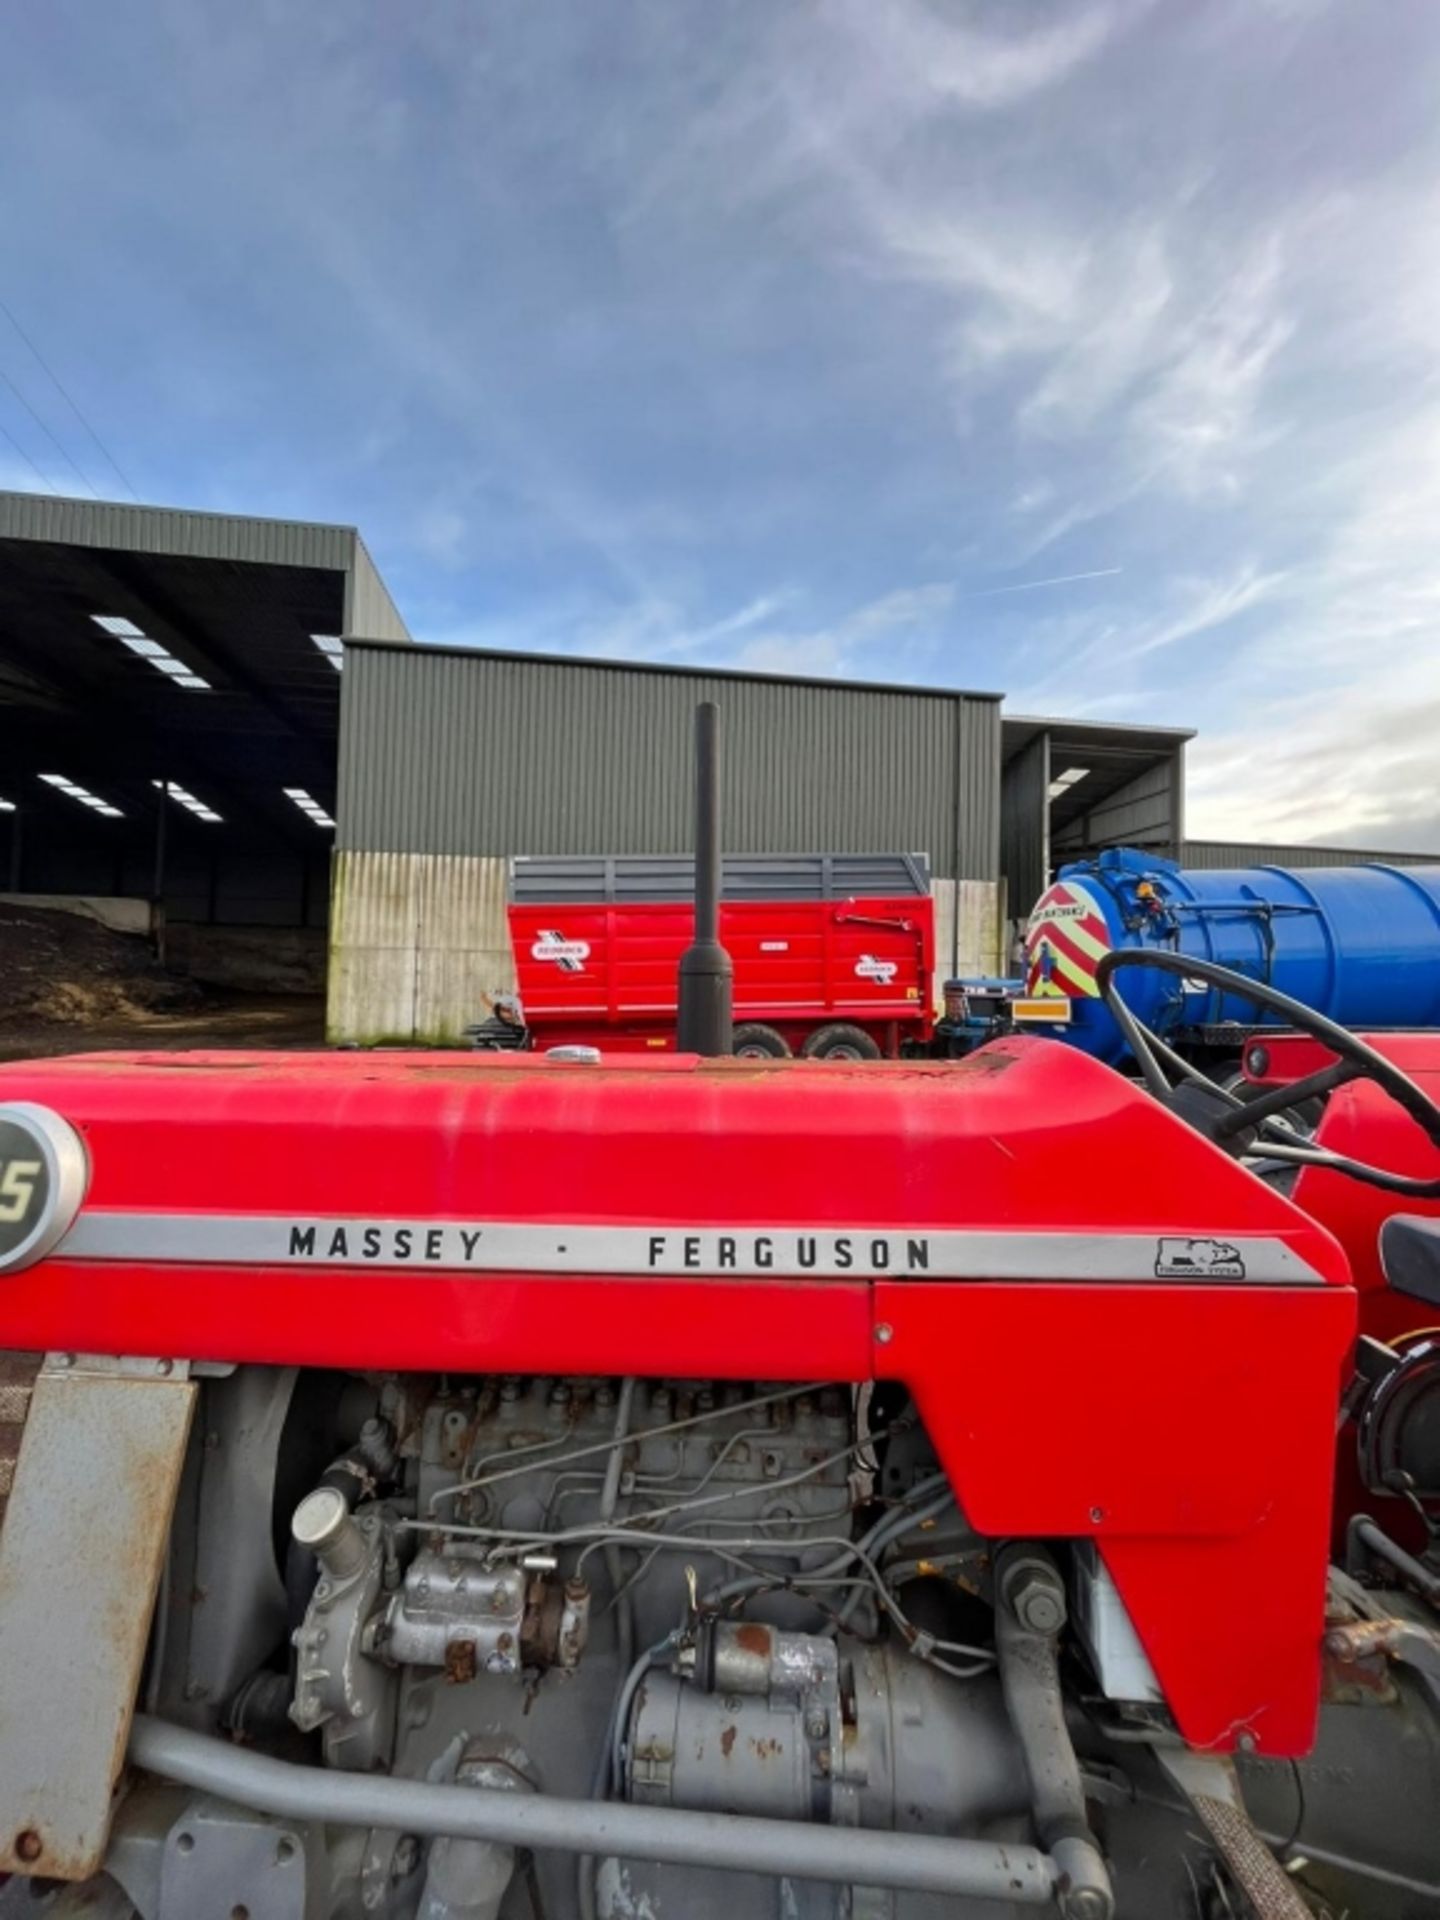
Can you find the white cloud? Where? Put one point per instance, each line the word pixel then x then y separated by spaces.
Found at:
pixel 758 636
pixel 1215 604
pixel 1339 704
pixel 913 50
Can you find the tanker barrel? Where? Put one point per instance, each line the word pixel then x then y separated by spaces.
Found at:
pixel 706 975
pixel 1360 944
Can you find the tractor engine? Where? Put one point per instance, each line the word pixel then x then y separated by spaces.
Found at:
pixel 721 1596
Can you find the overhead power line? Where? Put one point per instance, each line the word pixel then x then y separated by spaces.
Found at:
pixel 45 429
pixel 49 485
pixel 73 405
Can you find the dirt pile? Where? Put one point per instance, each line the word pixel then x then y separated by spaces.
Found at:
pixel 62 970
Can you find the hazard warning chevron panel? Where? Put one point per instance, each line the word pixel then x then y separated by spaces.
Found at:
pixel 1064 942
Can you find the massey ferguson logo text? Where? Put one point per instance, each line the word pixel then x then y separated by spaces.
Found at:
pixel 867 967
pixel 569 955
pixel 808 1252
pixel 556 1249
pixel 353 1240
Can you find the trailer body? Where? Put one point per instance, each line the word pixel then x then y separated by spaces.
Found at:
pixel 604 973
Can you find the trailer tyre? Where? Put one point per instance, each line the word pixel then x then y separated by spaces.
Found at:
pixel 840 1042
pixel 752 1041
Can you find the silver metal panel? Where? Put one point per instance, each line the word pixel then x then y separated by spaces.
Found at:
pixel 220 1860
pixel 369 610
pixel 80 1558
pixel 420 944
pixel 643 877
pixel 859 1252
pixel 1145 812
pixel 474 753
pixel 1025 825
pixel 1256 853
pixel 204 536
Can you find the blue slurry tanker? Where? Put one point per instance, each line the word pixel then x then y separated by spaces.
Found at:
pixel 1361 944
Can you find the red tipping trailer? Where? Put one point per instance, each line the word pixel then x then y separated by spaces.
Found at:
pixel 847 979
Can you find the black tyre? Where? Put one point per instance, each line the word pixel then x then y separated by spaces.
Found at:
pixel 752 1041
pixel 840 1042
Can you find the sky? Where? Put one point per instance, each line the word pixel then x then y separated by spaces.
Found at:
pixel 1088 352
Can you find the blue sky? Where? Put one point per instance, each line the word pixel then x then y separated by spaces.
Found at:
pixel 811 337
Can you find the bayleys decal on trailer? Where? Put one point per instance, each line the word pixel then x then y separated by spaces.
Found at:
pixel 569 955
pixel 1065 941
pixel 761 1252
pixel 867 967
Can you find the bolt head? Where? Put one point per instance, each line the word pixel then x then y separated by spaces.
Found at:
pixel 1039 1608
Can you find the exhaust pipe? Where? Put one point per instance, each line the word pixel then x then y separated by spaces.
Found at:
pixel 796 1850
pixel 706 975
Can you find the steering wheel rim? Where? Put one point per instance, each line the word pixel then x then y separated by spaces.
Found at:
pixel 1361 1060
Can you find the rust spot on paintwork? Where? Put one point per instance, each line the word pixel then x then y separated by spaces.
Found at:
pixel 727 1741
pixel 28 1845
pixel 460 1662
pixel 1356 1662
pixel 753 1638
pixel 765 1749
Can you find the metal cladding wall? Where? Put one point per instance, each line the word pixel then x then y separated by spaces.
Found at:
pixel 369 610
pixel 470 753
pixel 1212 854
pixel 454 762
pixel 1025 826
pixel 176 531
pixel 1144 813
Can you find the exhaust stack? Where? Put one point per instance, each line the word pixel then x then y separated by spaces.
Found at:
pixel 706 975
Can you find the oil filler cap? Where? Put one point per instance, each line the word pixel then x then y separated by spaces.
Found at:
pixel 44 1171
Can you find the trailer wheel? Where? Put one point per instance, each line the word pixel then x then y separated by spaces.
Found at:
pixel 840 1042
pixel 752 1041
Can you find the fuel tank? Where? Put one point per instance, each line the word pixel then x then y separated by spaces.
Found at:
pixel 1360 944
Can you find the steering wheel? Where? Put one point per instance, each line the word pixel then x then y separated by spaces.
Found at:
pixel 1356 1061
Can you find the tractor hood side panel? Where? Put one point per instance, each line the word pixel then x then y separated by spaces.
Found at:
pixel 1110 1328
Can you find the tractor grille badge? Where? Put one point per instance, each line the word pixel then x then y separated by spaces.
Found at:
pixel 44 1171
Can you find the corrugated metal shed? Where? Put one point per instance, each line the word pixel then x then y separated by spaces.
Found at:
pixel 369 610
pixel 235 601
pixel 204 536
pixel 1246 853
pixel 456 751
pixel 114 526
pixel 1145 812
pixel 1025 825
